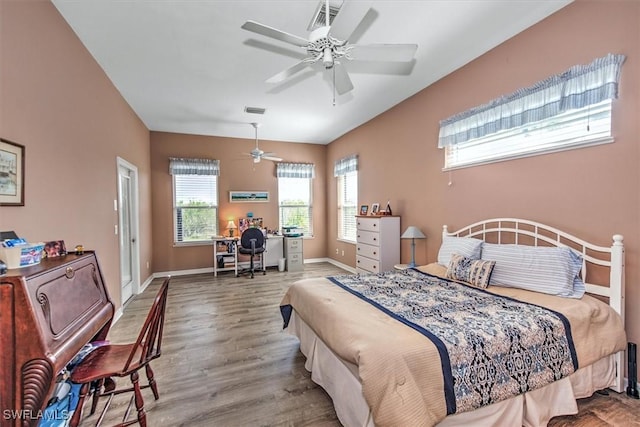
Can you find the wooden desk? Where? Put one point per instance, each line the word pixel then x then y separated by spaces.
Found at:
pixel 229 255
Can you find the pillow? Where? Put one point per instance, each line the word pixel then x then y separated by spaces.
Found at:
pixel 465 246
pixel 550 270
pixel 472 271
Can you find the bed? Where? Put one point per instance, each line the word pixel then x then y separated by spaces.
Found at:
pixel 452 342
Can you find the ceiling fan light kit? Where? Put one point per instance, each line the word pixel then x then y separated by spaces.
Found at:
pixel 326 45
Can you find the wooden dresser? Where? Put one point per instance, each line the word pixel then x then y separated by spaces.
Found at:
pixel 48 312
pixel 378 243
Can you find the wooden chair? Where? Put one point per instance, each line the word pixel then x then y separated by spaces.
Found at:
pixel 120 360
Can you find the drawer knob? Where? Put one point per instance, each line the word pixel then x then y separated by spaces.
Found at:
pixel 375 253
pixel 358 261
pixel 375 225
pixel 69 273
pixel 375 238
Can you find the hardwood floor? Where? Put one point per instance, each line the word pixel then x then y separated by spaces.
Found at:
pixel 226 361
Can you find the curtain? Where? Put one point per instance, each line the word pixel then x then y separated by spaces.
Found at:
pixel 179 166
pixel 578 87
pixel 295 170
pixel 345 165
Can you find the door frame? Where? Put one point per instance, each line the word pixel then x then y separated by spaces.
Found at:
pixel 135 225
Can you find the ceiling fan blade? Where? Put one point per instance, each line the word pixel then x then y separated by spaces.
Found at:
pixel 348 18
pixel 383 52
pixel 285 74
pixel 274 33
pixel 273 159
pixel 342 79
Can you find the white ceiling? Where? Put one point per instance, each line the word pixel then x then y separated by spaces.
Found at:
pixel 186 66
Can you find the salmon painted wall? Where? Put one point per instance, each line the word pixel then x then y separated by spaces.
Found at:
pixel 57 102
pixel 237 173
pixel 591 192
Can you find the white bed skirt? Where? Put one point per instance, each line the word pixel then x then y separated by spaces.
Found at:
pixel 341 381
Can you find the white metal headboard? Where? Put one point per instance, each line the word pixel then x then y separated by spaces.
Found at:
pixel 612 257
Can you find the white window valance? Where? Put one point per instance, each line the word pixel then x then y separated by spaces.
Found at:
pixel 181 166
pixel 345 165
pixel 578 87
pixel 295 170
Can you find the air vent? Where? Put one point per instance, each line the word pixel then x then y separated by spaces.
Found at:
pixel 320 17
pixel 254 110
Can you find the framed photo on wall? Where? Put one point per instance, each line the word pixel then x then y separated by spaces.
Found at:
pixel 364 209
pixel 11 173
pixel 248 196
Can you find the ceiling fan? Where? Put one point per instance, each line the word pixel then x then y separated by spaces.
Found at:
pixel 257 154
pixel 329 43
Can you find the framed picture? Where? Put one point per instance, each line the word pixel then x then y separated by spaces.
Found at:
pixel 11 173
pixel 364 209
pixel 375 208
pixel 248 196
pixel 54 248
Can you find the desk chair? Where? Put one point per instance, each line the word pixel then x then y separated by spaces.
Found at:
pixel 252 243
pixel 121 360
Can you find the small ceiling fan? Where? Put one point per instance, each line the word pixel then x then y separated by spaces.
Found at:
pixel 257 154
pixel 329 43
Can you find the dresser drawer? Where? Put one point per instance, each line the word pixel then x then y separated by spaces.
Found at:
pixel 369 237
pixel 367 264
pixel 368 224
pixel 369 251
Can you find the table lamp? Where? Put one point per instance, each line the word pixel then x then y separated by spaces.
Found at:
pixel 231 226
pixel 413 233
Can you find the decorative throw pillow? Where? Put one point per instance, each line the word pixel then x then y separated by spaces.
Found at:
pixel 465 246
pixel 472 271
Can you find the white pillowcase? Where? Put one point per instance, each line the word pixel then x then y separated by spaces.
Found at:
pixel 550 270
pixel 466 246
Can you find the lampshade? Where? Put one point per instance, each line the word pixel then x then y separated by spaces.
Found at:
pixel 231 225
pixel 413 232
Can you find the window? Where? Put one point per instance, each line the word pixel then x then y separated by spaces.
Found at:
pixel 346 170
pixel 295 182
pixel 195 199
pixel 576 128
pixel 567 110
pixel 347 205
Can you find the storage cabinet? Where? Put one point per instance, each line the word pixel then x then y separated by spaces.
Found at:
pixel 378 243
pixel 293 253
pixel 275 250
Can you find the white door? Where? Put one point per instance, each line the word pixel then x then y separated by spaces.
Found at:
pixel 127 219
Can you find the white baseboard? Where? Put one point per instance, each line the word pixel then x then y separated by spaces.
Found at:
pixel 183 272
pixel 117 315
pixel 330 261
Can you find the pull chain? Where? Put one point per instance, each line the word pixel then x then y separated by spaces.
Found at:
pixel 334 84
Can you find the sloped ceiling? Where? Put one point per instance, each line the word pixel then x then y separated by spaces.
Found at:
pixel 187 66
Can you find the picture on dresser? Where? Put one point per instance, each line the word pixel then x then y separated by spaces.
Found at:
pixel 375 208
pixel 364 209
